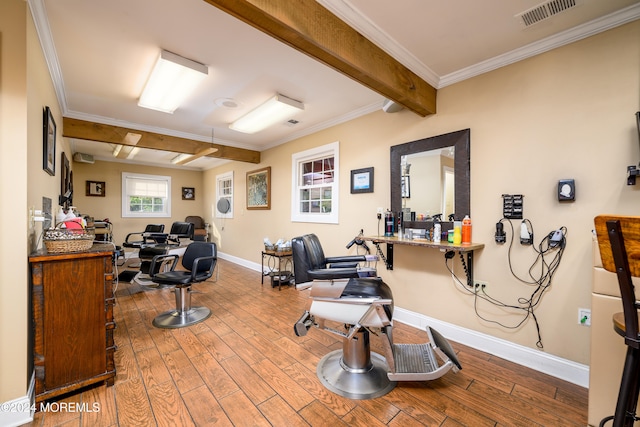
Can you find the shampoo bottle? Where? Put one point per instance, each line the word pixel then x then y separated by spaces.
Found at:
pixel 466 230
pixel 457 232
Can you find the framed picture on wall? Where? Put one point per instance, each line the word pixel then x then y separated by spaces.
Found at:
pixel 188 193
pixel 362 181
pixel 96 189
pixel 49 142
pixel 259 189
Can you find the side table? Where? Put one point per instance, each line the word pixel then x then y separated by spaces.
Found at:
pixel 279 267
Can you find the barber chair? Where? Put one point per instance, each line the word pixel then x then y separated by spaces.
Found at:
pixel 163 244
pixel 179 230
pixel 144 236
pixel 308 256
pixel 619 244
pixel 362 305
pixel 199 261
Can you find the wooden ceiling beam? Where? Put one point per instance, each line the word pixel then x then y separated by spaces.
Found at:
pixel 310 28
pixel 91 131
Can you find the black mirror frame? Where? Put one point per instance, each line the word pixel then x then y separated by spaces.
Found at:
pixel 461 141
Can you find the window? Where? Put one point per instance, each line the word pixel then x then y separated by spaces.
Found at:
pixel 146 196
pixel 315 185
pixel 224 195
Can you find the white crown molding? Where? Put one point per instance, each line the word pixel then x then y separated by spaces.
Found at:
pixel 39 14
pixel 580 32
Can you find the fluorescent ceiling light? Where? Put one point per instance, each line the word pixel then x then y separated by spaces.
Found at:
pixel 128 150
pixel 273 111
pixel 173 79
pixel 185 158
pixel 133 152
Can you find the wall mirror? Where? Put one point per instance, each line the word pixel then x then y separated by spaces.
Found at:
pixel 431 176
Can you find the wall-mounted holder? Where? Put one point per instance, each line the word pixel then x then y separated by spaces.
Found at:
pixel 566 190
pixel 512 206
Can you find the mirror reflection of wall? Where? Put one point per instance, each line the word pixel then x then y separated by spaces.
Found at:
pixel 431 176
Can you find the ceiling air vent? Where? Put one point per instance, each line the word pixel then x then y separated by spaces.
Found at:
pixel 544 11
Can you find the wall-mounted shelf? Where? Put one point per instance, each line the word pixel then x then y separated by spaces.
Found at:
pixel 467 249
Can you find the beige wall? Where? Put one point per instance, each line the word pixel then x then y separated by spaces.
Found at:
pixel 110 205
pixel 13 193
pixel 568 113
pixel 26 89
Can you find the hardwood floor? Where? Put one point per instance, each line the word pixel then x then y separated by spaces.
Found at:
pixel 244 366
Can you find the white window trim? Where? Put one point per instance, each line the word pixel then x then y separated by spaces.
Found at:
pixel 125 197
pixel 219 178
pixel 332 149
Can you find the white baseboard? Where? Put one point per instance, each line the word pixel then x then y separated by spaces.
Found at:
pixel 18 411
pixel 564 369
pixel 240 261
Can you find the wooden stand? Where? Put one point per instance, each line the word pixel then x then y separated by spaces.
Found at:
pixel 72 315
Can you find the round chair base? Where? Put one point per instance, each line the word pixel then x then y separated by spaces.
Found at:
pixel 355 385
pixel 174 319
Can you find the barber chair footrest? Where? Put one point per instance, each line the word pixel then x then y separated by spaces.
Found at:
pixel 174 319
pixel 354 385
pixel 416 362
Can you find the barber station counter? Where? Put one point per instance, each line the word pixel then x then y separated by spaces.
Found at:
pixel 445 247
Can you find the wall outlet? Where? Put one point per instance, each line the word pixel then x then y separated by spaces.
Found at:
pixel 584 316
pixel 480 284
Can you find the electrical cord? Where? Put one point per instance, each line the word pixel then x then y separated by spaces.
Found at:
pixel 542 280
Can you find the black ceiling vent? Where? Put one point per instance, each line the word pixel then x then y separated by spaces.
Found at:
pixel 544 11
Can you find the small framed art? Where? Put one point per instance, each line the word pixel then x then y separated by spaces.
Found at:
pixel 362 181
pixel 96 189
pixel 188 193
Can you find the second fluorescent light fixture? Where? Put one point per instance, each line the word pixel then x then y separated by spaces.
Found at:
pixel 276 109
pixel 173 79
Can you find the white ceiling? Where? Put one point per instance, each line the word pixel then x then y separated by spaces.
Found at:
pixel 100 54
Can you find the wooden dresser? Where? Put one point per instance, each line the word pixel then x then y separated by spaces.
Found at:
pixel 72 314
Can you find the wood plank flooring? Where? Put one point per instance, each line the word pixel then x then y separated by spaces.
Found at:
pixel 244 366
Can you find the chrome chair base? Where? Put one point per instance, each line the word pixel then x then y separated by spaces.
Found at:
pixel 355 384
pixel 174 319
pixel 355 371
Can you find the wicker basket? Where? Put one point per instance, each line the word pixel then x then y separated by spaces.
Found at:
pixel 58 240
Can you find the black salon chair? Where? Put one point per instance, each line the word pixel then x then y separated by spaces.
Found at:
pixel 141 238
pixel 619 244
pixel 199 261
pixel 310 262
pixel 359 305
pixel 179 230
pixel 162 244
